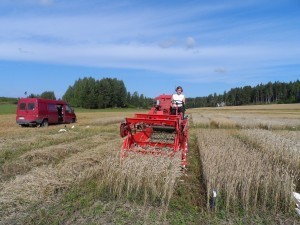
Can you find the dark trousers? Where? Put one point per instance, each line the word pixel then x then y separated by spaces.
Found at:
pixel 180 110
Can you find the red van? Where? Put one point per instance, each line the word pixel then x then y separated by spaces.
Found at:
pixel 39 111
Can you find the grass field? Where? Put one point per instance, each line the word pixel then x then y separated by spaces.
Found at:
pixel 249 155
pixel 6 108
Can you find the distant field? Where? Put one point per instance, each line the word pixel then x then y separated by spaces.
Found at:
pixel 261 116
pixel 249 155
pixel 7 108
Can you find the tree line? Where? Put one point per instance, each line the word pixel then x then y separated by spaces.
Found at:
pixel 270 93
pixel 110 93
pixel 90 93
pixel 45 94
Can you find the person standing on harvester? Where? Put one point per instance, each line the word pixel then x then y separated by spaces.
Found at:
pixel 177 100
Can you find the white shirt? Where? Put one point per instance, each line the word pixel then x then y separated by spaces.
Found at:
pixel 177 99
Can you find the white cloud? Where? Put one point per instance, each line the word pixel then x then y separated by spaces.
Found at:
pixel 190 43
pixel 168 43
pixel 23 51
pixel 220 70
pixel 238 60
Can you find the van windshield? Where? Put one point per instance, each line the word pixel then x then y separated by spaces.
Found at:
pixel 69 109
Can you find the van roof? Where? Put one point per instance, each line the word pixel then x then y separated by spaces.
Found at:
pixel 43 100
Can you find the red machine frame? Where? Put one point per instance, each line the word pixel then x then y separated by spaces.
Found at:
pixel 138 132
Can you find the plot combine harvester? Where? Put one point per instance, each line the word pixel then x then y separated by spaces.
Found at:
pixel 157 133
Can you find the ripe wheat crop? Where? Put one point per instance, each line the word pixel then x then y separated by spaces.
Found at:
pixel 282 149
pixel 242 176
pixel 145 177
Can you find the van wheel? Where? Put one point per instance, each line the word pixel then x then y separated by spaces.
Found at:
pixel 44 123
pixel 73 120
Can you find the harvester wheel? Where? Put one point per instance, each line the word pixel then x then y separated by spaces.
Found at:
pixel 123 129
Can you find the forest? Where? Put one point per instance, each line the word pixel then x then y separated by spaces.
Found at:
pixel 90 93
pixel 111 92
pixel 270 93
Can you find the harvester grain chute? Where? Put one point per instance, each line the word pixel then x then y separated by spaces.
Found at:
pixel 156 133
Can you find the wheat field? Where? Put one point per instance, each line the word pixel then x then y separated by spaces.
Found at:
pixel 248 155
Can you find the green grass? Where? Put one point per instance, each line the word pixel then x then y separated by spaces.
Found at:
pixel 7 108
pixel 189 195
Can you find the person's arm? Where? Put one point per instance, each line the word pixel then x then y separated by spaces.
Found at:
pixel 171 103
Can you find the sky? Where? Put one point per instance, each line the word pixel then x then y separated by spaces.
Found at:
pixel 153 46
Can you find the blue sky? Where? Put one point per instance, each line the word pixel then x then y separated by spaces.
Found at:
pixel 153 46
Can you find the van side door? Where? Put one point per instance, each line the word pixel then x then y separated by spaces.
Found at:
pixel 52 113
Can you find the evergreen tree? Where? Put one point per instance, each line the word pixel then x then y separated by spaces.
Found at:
pixel 121 94
pixel 34 96
pixel 48 95
pixel 90 93
pixel 135 99
pixel 277 92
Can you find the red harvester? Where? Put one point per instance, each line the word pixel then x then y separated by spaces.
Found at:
pixel 157 132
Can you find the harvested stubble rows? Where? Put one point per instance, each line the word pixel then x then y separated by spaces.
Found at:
pixel 147 178
pixel 106 118
pixel 255 121
pixel 52 154
pixel 33 144
pixel 267 117
pixel 36 164
pixel 44 164
pixel 44 182
pixel 243 176
pixel 244 121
